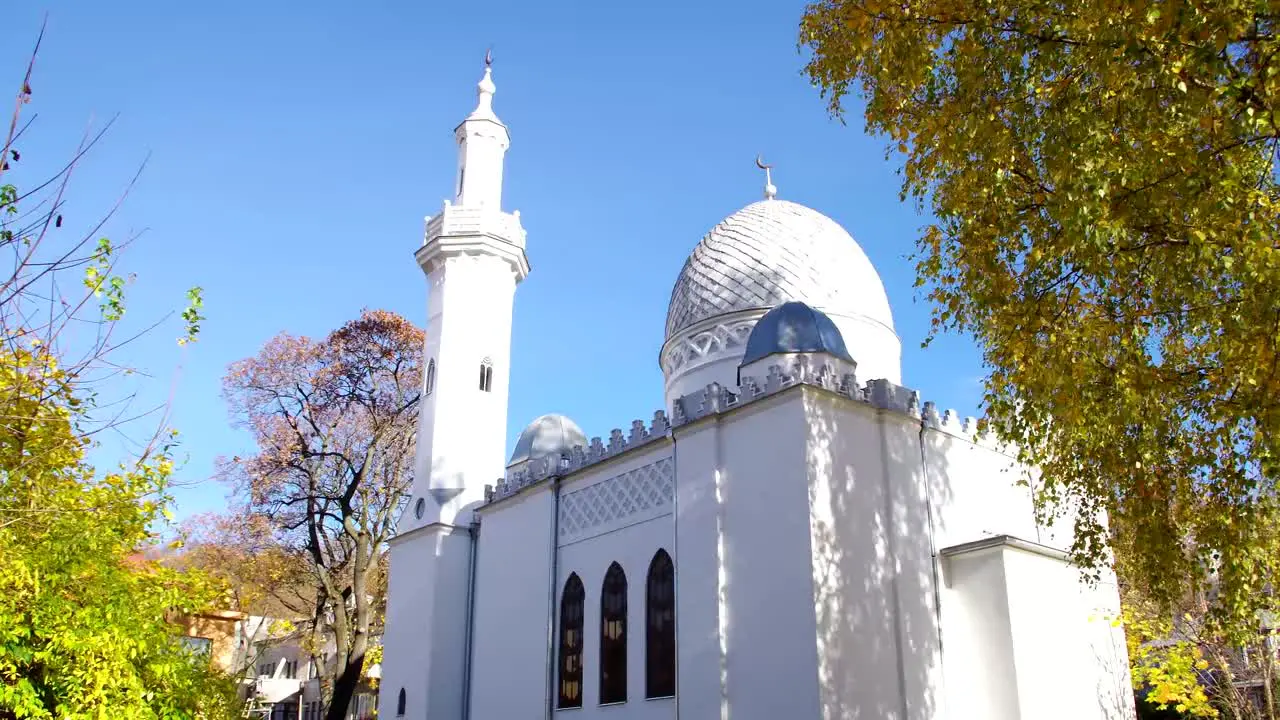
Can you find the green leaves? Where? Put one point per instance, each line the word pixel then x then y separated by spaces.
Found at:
pixel 85 627
pixel 1102 182
pixel 191 315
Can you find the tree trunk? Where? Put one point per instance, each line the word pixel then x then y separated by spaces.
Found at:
pixel 344 687
pixel 1268 676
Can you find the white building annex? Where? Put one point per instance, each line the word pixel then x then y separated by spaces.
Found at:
pixel 792 536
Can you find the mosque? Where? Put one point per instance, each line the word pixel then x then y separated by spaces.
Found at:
pixel 792 536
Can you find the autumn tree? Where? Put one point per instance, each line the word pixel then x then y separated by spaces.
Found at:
pixel 1101 181
pixel 334 422
pixel 85 618
pixel 260 575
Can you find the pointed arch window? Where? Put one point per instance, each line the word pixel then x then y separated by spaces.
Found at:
pixel 486 375
pixel 613 636
pixel 572 602
pixel 660 627
pixel 400 702
pixel 431 375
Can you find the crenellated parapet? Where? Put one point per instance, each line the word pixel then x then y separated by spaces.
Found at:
pixel 539 469
pixel 947 421
pixel 813 370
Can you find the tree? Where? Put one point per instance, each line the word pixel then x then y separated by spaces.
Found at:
pixel 1101 179
pixel 334 421
pixel 261 576
pixel 85 618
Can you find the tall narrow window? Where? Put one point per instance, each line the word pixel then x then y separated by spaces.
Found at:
pixel 400 702
pixel 660 628
pixel 486 375
pixel 613 636
pixel 431 376
pixel 572 602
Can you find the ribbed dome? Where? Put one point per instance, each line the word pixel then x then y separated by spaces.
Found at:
pixel 770 252
pixel 794 327
pixel 548 435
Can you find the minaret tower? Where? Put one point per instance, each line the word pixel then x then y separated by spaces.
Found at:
pixel 473 258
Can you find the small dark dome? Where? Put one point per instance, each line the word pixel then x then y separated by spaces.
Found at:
pixel 794 327
pixel 547 435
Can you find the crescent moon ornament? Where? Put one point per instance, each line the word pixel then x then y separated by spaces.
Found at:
pixel 488 57
pixel 770 191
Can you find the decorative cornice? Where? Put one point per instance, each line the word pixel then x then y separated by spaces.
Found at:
pixel 996 541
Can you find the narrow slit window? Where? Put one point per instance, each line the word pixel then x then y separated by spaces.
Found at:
pixel 660 627
pixel 572 603
pixel 400 703
pixel 431 376
pixel 486 375
pixel 613 636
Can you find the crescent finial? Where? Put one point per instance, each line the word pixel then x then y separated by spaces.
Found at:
pixel 761 164
pixel 488 57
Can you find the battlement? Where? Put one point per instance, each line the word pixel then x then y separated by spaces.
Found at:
pixel 540 469
pixel 713 399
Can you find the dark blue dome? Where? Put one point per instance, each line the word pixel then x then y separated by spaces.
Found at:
pixel 794 327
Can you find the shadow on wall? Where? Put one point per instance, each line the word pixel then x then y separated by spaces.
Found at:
pixel 874 585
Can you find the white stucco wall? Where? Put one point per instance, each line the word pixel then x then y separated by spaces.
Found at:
pixel 745 603
pixel 423 648
pixel 980 678
pixel 975 491
pixel 1026 639
pixel 878 642
pixel 513 576
pixel 1069 660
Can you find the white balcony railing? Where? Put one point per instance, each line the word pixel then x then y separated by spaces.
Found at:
pixel 456 220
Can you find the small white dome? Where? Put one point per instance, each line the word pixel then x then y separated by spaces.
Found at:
pixel 547 435
pixel 768 253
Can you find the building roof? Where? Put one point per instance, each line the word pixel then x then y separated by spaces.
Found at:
pixel 768 253
pixel 794 327
pixel 547 435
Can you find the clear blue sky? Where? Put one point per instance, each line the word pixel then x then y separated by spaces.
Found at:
pixel 294 154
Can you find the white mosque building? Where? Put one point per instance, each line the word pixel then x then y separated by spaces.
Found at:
pixel 793 536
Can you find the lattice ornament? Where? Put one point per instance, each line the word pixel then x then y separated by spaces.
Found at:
pixel 640 491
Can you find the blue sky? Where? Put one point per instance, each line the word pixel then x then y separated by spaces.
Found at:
pixel 293 155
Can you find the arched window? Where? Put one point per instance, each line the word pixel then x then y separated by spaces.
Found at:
pixel 613 636
pixel 660 628
pixel 400 703
pixel 486 375
pixel 572 602
pixel 431 376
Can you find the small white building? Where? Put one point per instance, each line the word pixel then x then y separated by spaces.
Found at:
pixel 793 536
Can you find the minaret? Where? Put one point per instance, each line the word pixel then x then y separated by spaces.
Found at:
pixel 473 257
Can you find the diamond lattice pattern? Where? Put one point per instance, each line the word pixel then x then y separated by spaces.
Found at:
pixel 634 492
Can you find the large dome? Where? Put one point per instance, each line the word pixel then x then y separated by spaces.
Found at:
pixel 768 253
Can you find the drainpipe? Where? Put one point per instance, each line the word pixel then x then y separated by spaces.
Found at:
pixel 675 555
pixel 473 532
pixel 551 597
pixel 933 543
